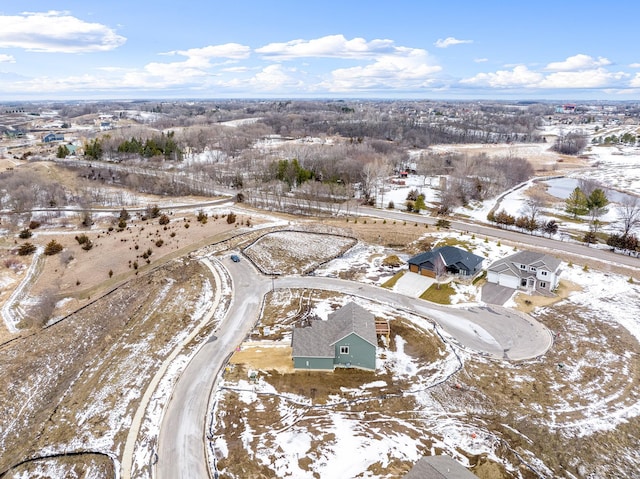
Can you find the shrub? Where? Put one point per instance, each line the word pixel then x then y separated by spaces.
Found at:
pixel 392 261
pixel 391 205
pixel 82 239
pixel 25 233
pixel 34 224
pixel 87 220
pixel 152 211
pixel 87 246
pixel 164 219
pixel 231 218
pixel 122 223
pixel 202 217
pixel 26 249
pixel 53 247
pixel 159 243
pixel 442 223
pixel 413 195
pixel 124 215
pixel 110 273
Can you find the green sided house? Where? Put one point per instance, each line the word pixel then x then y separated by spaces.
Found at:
pixel 347 339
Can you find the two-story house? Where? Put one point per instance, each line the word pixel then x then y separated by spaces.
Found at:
pixel 526 270
pixel 346 339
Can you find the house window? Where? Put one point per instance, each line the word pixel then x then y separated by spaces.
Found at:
pixel 543 284
pixel 533 269
pixel 344 349
pixel 523 266
pixel 544 273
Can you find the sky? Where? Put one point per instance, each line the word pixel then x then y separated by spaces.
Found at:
pixel 420 49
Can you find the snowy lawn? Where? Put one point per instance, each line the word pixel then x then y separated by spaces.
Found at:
pixel 296 252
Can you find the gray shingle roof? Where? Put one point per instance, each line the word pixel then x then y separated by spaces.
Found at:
pixel 318 340
pixel 451 256
pixel 530 258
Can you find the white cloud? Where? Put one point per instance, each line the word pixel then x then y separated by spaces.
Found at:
pixel 55 31
pixel 635 81
pixel 596 78
pixel 234 51
pixel 481 60
pixel 577 62
pixel 447 42
pixel 275 77
pixel 7 58
pixel 520 76
pixel 634 65
pixel 413 70
pixel 331 46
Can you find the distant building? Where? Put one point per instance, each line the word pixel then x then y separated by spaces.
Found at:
pixel 456 261
pixel 439 467
pixel 346 339
pixel 53 137
pixel 526 270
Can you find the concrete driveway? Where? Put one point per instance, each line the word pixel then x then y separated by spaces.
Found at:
pixel 495 294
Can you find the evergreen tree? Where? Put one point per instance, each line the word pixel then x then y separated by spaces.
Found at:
pixel 577 204
pixel 62 152
pixel 419 204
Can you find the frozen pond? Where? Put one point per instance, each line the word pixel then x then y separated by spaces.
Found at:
pixel 562 188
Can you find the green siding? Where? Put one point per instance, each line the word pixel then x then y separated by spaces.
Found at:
pixel 361 353
pixel 313 363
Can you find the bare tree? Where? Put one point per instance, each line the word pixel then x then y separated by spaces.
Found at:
pixel 439 268
pixel 533 206
pixel 629 213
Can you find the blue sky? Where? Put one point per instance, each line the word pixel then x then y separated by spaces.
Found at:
pixel 423 49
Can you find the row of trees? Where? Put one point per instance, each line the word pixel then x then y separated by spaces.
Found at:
pixel 164 146
pixel 523 222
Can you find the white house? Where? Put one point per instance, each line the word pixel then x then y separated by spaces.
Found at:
pixel 526 270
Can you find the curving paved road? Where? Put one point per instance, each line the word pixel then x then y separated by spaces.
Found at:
pixel 181 442
pixel 494 331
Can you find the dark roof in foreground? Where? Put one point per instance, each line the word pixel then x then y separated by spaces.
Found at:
pixel 439 467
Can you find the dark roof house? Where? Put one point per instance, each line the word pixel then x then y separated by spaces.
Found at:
pixel 346 339
pixel 456 260
pixel 53 137
pixel 439 467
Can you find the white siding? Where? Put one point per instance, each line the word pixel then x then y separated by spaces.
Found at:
pixel 509 281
